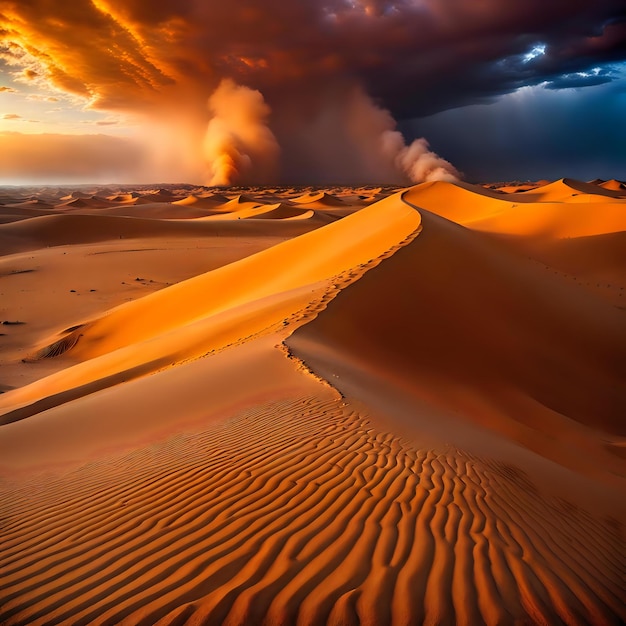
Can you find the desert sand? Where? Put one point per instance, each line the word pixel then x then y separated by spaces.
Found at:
pixel 313 406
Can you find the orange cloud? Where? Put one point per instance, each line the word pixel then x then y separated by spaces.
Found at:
pixel 39 98
pixel 81 49
pixel 29 74
pixel 11 116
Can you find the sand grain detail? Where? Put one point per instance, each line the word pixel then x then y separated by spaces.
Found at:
pixel 299 512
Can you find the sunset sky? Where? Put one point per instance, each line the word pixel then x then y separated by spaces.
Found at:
pixel 303 92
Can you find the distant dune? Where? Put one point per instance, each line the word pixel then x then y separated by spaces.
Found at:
pixel 313 406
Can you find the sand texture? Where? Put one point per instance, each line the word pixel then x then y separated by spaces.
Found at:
pixel 313 406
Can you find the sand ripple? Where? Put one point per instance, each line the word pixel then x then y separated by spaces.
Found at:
pixel 301 512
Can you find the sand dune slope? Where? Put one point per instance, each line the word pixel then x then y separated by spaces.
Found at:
pixel 519 214
pixel 254 210
pixel 61 230
pixel 52 289
pixel 553 220
pixel 321 198
pixel 570 190
pixel 582 241
pixel 596 262
pixel 213 310
pixel 614 185
pixel 454 305
pixel 392 419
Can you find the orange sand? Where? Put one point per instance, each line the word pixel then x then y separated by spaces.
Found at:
pixel 302 406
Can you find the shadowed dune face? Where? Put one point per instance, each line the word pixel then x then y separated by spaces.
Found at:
pixel 303 406
pixel 470 312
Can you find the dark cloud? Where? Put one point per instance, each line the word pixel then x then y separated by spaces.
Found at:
pixel 589 78
pixel 535 134
pixel 11 116
pixel 418 57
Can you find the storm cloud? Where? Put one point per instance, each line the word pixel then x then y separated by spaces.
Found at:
pixel 163 59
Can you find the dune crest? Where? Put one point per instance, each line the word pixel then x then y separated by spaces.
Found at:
pixel 185 320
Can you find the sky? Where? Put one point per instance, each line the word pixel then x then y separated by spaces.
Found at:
pixel 311 91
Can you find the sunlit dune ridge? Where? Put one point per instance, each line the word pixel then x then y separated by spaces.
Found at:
pixel 303 406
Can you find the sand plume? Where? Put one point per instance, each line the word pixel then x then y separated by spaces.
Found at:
pixel 416 162
pixel 239 146
pixel 347 136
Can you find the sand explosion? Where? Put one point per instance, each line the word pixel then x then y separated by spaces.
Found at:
pixel 345 128
pixel 238 142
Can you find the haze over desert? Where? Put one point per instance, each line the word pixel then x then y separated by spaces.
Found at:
pixel 275 405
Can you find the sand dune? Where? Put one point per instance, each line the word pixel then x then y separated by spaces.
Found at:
pixel 268 211
pixel 569 190
pixel 208 203
pixel 554 220
pixel 126 197
pixel 237 209
pixel 339 409
pixel 321 197
pixel 581 241
pixel 215 197
pixel 614 185
pixel 325 202
pixel 181 322
pixel 29 204
pixel 79 282
pixel 472 311
pixel 159 210
pixel 85 203
pixel 14 214
pixel 522 214
pixel 62 230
